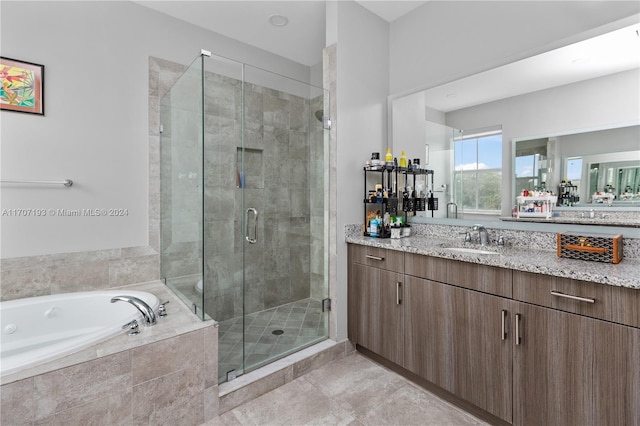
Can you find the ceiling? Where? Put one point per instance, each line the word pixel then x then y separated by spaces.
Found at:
pixel 301 40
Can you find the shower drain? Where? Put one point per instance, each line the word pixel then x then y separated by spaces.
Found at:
pixel 277 332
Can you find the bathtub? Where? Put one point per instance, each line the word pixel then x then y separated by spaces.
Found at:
pixel 40 329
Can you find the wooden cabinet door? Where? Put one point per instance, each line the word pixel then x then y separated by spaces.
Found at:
pixel 375 295
pixel 574 370
pixel 454 338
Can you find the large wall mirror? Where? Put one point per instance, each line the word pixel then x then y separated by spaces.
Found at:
pixel 572 112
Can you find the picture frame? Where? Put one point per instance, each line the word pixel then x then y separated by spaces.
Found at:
pixel 21 86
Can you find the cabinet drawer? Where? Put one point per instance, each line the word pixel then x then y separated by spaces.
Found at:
pixel 389 260
pixel 579 297
pixel 487 279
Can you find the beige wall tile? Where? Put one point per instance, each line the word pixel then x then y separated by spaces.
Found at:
pixel 76 385
pixel 111 410
pixel 174 399
pixel 167 356
pixel 17 403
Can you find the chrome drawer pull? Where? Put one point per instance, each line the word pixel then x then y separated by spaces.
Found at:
pixel 517 329
pixel 398 298
pixel 368 256
pixel 568 296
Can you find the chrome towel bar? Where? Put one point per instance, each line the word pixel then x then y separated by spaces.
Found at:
pixel 66 182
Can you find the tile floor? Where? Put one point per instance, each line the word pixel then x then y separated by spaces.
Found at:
pixel 302 324
pixel 350 391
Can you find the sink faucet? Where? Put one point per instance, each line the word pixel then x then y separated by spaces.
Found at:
pixel 483 234
pixel 141 305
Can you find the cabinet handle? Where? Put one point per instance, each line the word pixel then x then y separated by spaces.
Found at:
pixel 398 298
pixel 568 296
pixel 518 329
pixel 368 256
pixel 504 324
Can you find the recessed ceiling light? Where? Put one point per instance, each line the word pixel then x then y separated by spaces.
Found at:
pixel 451 95
pixel 278 20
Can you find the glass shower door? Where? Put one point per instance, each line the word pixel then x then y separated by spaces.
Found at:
pixel 282 172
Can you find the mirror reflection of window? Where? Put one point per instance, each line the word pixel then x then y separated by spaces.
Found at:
pixel 478 171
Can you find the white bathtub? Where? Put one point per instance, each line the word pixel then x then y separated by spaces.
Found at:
pixel 39 329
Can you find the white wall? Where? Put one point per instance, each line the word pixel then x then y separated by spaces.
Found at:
pixel 362 63
pixel 95 130
pixel 604 102
pixel 443 41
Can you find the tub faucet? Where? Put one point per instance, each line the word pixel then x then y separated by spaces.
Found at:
pixel 483 234
pixel 141 305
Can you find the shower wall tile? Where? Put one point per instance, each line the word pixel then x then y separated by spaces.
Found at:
pixel 221 97
pixel 253 105
pixel 276 110
pixel 253 135
pixel 299 114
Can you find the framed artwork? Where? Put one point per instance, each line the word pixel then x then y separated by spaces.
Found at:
pixel 22 88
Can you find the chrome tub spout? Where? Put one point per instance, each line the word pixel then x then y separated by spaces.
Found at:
pixel 141 305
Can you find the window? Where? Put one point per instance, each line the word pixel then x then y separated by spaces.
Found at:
pixel 478 171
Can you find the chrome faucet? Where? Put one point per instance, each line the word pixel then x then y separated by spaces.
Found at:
pixel 483 234
pixel 141 305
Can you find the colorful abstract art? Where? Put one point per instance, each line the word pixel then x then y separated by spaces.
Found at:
pixel 22 86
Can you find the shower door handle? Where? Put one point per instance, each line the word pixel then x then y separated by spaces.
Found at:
pixel 255 225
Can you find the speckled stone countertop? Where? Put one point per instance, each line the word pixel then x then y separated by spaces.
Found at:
pixel 624 274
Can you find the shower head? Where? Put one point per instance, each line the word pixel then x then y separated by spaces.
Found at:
pixel 319 115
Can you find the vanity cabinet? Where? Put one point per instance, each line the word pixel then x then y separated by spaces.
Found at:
pixel 375 301
pixel 530 349
pixel 458 340
pixel 570 369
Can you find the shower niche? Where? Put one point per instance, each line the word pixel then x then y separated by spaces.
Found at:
pixel 243 193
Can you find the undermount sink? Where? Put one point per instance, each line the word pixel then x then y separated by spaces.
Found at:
pixel 470 250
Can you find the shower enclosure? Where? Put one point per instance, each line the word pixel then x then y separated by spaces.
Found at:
pixel 243 207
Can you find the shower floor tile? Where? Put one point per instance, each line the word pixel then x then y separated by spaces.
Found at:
pixel 301 322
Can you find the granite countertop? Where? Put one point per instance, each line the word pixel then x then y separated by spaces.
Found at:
pixel 624 274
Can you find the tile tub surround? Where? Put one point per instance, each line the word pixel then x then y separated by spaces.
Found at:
pixel 624 274
pixel 180 320
pixel 165 375
pixel 44 275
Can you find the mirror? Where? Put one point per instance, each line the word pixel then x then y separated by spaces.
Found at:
pixel 540 109
pixel 590 169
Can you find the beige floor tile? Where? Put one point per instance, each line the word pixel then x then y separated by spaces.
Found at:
pixel 350 391
pixel 410 405
pixel 296 403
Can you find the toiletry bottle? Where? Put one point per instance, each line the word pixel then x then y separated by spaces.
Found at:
pixel 389 157
pixel 403 160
